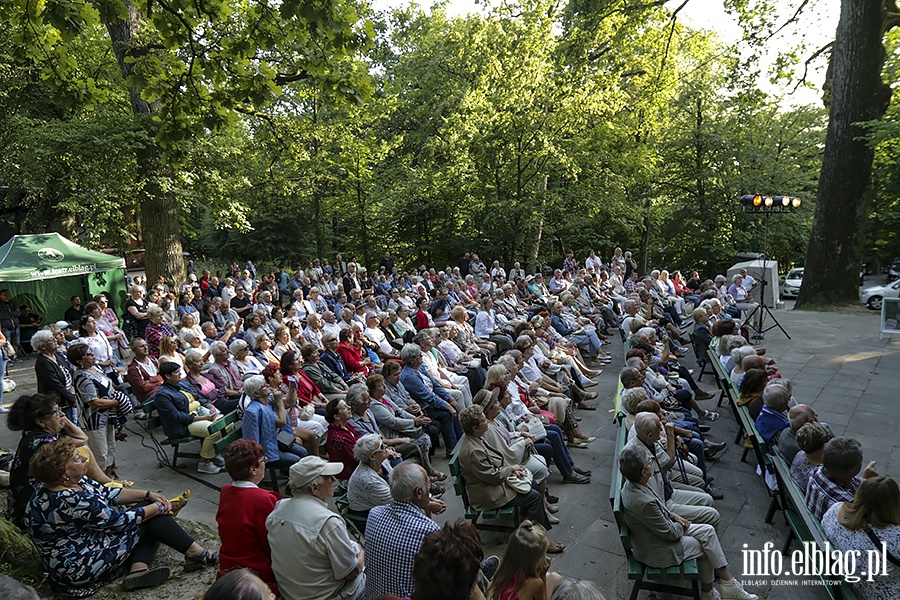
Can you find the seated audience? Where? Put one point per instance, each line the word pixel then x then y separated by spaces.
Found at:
pixel 811 439
pixel 693 505
pixel 143 371
pixel 837 478
pixel 341 437
pixel 261 423
pixel 182 415
pixel 368 485
pixel 663 538
pixel 41 421
pixel 430 395
pixel 448 565
pixel 773 419
pixel 576 589
pixel 486 473
pixel 239 584
pixel 243 509
pixel 798 415
pixel 395 531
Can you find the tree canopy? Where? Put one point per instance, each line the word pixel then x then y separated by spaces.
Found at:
pixel 286 131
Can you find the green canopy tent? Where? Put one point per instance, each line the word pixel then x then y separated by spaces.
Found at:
pixel 45 270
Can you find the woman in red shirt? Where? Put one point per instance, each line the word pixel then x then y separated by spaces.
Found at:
pixel 242 513
pixel 354 359
pixel 341 437
pixel 295 377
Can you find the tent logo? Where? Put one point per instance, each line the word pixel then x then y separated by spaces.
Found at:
pixel 51 254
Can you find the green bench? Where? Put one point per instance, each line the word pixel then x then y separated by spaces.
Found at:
pixel 646 578
pixel 504 519
pixel 154 421
pixel 805 527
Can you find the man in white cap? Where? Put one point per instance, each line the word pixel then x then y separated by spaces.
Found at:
pixel 313 556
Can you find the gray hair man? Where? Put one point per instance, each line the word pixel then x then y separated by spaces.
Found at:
pixel 695 506
pixel 395 531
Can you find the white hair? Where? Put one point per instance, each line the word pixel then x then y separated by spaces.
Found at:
pixel 366 447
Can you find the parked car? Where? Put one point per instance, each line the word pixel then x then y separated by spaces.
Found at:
pixel 894 270
pixel 873 296
pixel 790 287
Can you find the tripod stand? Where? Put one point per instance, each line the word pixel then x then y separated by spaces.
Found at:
pixel 762 307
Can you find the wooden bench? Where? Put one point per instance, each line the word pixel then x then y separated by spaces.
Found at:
pixel 154 421
pixel 646 578
pixel 805 527
pixel 495 516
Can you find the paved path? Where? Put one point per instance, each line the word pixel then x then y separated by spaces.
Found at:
pixel 837 363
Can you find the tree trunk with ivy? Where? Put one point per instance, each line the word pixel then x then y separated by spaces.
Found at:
pixel 858 94
pixel 158 207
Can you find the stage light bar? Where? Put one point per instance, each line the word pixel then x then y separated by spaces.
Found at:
pixel 760 203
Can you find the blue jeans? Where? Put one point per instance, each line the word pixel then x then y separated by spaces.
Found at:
pixel 560 453
pixel 289 457
pixel 450 428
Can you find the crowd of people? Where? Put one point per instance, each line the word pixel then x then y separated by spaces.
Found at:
pixel 349 384
pixel 667 497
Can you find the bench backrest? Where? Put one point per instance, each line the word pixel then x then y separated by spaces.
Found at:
pixel 459 482
pixel 803 523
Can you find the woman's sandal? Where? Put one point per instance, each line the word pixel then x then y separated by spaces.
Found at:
pixel 119 484
pixel 204 559
pixel 147 578
pixel 438 476
pixel 556 548
pixel 182 501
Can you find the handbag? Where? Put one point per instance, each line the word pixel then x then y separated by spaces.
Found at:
pixel 285 440
pixel 536 429
pixel 521 485
pixel 307 412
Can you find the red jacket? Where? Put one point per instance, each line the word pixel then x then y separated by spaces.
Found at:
pixel 242 527
pixel 142 384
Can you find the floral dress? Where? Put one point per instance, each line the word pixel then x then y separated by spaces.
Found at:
pixel 84 540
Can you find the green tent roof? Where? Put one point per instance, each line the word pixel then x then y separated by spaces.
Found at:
pixel 48 256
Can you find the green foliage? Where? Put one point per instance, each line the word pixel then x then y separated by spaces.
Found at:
pixel 284 142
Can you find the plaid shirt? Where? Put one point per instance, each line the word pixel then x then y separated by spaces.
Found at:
pixel 822 492
pixel 394 534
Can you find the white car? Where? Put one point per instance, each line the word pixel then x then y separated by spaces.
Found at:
pixel 873 296
pixel 790 287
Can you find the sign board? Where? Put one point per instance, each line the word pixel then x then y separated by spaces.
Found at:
pixel 890 317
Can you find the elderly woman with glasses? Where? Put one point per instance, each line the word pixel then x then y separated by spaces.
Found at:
pixel 246 362
pixel 368 485
pixel 53 372
pixel 84 535
pixel 41 421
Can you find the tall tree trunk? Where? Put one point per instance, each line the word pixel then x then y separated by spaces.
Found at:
pixel 845 182
pixel 159 209
pixel 539 227
pixel 643 258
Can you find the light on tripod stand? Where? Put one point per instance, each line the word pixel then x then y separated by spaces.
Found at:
pixel 768 200
pixel 795 202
